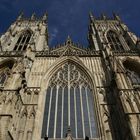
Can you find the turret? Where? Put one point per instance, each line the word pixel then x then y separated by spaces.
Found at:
pixel 45 16
pixel 92 18
pixel 20 16
pixel 33 16
pixel 103 16
pixel 116 17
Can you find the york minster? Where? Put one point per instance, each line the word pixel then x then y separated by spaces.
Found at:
pixel 69 91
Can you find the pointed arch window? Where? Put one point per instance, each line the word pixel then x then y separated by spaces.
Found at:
pixel 114 41
pixel 23 41
pixel 69 103
pixel 5 69
pixel 133 71
pixel 134 77
pixel 3 76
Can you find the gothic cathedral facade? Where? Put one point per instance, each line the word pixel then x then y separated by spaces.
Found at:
pixel 69 91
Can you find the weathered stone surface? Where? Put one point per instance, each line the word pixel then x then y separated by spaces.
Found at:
pixel 25 75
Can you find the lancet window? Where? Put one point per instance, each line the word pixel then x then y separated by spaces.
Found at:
pixel 23 41
pixel 114 41
pixel 132 71
pixel 134 77
pixel 3 76
pixel 69 103
pixel 5 68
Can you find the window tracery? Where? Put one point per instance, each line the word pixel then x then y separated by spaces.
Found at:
pixel 23 41
pixel 3 75
pixel 5 70
pixel 132 71
pixel 134 77
pixel 114 41
pixel 69 103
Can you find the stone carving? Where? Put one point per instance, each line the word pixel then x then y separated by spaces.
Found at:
pixel 70 51
pixel 19 67
pixel 102 95
pixel 25 105
pixel 69 134
pixel 28 62
pixel 106 120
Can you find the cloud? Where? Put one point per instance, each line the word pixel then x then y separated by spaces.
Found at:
pixel 53 34
pixel 70 17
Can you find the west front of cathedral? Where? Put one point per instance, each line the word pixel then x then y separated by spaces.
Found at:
pixel 68 91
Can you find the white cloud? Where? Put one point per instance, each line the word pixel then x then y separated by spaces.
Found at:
pixel 53 34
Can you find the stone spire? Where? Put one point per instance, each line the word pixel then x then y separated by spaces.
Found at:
pixel 20 16
pixel 68 41
pixel 45 16
pixel 92 18
pixel 103 16
pixel 33 16
pixel 116 17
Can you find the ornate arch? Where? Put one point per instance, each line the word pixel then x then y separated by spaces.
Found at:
pixel 23 40
pixel 132 69
pixel 51 71
pixel 113 30
pixel 7 62
pixel 60 62
pixel 5 69
pixel 135 63
pixel 113 37
pixel 25 30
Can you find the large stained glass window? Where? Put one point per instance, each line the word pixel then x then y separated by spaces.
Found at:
pixel 69 103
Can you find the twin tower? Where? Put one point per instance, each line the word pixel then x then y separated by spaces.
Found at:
pixel 69 92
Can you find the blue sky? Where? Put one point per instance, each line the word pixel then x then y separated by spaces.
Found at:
pixel 70 17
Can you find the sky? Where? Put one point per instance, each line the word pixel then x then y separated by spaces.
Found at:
pixel 70 17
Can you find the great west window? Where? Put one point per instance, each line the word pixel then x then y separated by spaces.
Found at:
pixel 69 103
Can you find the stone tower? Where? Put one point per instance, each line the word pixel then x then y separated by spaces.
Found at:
pixel 69 91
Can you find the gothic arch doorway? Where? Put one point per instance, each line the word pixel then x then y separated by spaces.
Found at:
pixel 69 103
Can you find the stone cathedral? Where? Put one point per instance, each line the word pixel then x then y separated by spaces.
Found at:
pixel 69 91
